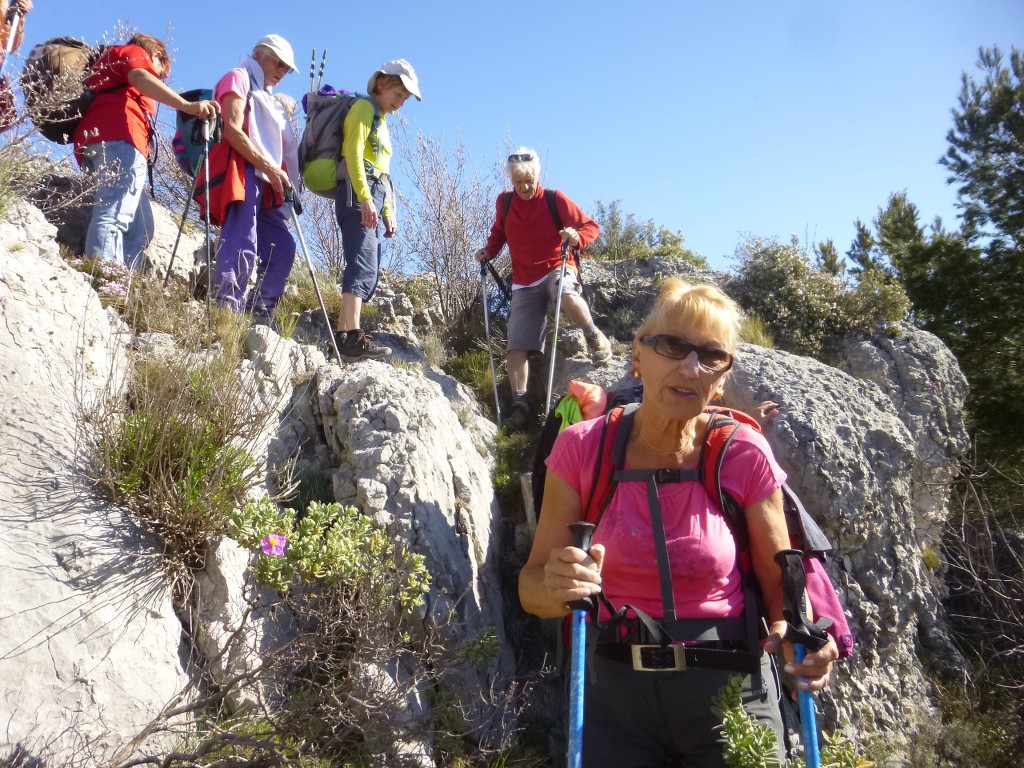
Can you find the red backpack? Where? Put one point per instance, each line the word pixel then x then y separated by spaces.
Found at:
pixel 804 533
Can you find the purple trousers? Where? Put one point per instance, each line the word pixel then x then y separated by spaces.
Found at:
pixel 253 236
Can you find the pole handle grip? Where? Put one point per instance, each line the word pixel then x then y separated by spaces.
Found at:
pixel 582 534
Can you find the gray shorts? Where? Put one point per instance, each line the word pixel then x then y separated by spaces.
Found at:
pixel 528 315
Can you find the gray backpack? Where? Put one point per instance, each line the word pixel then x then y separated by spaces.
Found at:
pixel 320 160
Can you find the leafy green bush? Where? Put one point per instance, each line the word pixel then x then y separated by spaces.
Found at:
pixel 332 543
pixel 806 308
pixel 174 449
pixel 244 741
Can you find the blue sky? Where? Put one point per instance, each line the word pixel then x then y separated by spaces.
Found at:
pixel 717 119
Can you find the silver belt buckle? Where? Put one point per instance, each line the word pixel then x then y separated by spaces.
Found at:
pixel 658 658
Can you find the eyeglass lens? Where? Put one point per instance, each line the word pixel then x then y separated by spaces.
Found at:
pixel 520 158
pixel 679 349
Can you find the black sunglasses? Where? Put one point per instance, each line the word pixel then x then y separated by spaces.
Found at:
pixel 709 358
pixel 525 158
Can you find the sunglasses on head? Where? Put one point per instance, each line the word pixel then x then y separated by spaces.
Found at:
pixel 524 158
pixel 709 358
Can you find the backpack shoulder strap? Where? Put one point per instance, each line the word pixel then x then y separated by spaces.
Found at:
pixel 722 427
pixel 374 124
pixel 506 203
pixel 615 430
pixel 550 197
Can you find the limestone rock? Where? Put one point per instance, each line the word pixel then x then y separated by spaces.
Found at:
pixel 88 637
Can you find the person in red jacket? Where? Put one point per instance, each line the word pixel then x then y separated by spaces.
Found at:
pixel 112 143
pixel 526 224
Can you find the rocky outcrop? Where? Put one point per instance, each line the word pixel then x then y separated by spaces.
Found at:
pixel 91 650
pixel 89 642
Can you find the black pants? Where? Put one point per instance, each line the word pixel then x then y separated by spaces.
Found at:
pixel 658 719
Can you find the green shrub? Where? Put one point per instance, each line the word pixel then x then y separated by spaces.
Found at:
pixel 749 744
pixel 173 449
pixel 755 331
pixel 473 369
pixel 513 453
pixel 304 298
pixel 332 543
pixel 246 741
pixel 806 308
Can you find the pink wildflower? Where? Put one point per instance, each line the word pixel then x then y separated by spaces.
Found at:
pixel 273 544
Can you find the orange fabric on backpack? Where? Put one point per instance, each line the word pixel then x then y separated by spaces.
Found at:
pixel 591 397
pixel 227 182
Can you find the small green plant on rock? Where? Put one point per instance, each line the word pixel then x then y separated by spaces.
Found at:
pixel 753 745
pixel 175 448
pixel 332 543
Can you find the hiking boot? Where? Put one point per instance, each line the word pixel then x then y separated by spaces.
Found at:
pixel 518 420
pixel 598 347
pixel 359 346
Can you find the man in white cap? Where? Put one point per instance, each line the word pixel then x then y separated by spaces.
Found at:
pixel 254 230
pixel 366 198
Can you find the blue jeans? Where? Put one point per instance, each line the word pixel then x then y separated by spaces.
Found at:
pixel 122 220
pixel 361 245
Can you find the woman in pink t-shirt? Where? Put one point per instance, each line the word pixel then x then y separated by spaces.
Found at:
pixel 646 713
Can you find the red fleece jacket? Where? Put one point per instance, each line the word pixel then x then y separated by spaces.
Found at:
pixel 532 236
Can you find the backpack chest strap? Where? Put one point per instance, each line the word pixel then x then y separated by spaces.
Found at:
pixel 659 476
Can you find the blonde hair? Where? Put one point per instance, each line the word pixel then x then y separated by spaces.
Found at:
pixel 702 305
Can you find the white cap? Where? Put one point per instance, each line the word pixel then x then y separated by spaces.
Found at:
pixel 280 48
pixel 404 70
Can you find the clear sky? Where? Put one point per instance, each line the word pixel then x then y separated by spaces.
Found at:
pixel 717 119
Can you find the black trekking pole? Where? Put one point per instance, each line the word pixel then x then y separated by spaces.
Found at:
pixel 582 533
pixel 320 77
pixel 554 338
pixel 290 196
pixel 487 335
pixel 803 634
pixel 506 294
pixel 200 137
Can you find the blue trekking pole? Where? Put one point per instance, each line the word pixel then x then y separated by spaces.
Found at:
pixel 582 533
pixel 803 634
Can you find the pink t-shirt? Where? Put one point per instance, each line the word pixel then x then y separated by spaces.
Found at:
pixel 236 81
pixel 706 580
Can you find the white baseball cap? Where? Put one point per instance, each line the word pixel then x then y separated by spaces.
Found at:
pixel 280 48
pixel 404 70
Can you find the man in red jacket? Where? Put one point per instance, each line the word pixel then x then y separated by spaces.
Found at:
pixel 527 223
